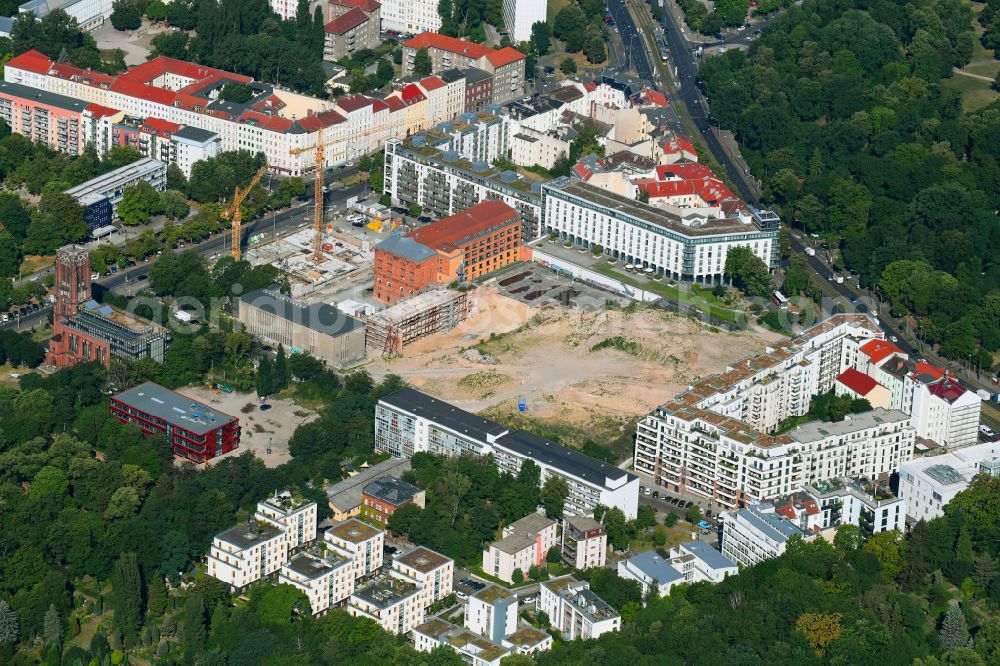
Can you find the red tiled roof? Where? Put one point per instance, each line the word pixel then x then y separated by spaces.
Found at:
pixel 317 121
pixel 651 96
pixel 411 94
pixel 811 507
pixel 710 190
pixel 448 232
pixel 858 382
pixel 922 368
pixel 431 83
pixel 273 123
pixel 345 22
pixel 363 5
pixel 156 67
pixel 877 350
pixel 351 103
pixel 159 126
pixel 504 56
pixel 394 103
pixel 788 511
pixel 683 171
pixel 678 144
pixel 134 88
pixel 433 40
pixel 590 86
pixel 379 105
pixel 100 111
pixel 947 388
pixel 91 78
pixel 32 61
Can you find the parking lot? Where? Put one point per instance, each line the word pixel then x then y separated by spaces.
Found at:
pixel 540 287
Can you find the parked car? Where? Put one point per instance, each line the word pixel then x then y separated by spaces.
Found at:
pixel 5 317
pixel 987 431
pixel 461 595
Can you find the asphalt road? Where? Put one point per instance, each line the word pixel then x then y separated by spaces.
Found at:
pixel 635 55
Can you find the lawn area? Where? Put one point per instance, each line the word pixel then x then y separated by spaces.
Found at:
pixel 478 571
pixel 697 299
pixel 983 61
pixel 5 375
pixel 975 93
pixel 33 263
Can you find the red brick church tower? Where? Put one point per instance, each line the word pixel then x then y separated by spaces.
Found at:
pixel 72 285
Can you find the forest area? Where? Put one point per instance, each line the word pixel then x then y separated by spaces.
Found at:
pixel 840 108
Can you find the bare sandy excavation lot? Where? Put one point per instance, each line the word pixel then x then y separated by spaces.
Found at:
pixel 594 370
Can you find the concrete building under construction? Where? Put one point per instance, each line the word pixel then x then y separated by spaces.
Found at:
pixel 436 311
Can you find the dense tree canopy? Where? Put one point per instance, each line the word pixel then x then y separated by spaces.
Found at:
pixel 841 109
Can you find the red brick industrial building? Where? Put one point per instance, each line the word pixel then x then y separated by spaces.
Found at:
pixel 464 246
pixel 194 431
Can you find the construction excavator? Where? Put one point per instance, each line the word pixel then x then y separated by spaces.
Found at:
pixel 235 211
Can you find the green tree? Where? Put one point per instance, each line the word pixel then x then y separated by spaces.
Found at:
pixel 541 37
pixel 796 277
pixel 570 26
pixel 616 528
pixel 174 204
pixel 281 372
pixel 422 63
pixel 58 220
pixel 238 93
pixel 10 254
pixel 9 626
pixel 138 202
pixel 14 214
pixel 889 548
pixel 593 47
pixel 954 631
pixel 553 495
pixel 279 604
pixel 554 555
pixel 847 538
pixel 126 596
pixel 693 514
pixel 156 11
pixel 156 595
pixel 517 577
pixel 53 630
pixel 567 66
pixel 748 272
pixel 126 15
pixel 191 629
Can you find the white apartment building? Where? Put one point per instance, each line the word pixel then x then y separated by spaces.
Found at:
pixel 697 561
pixel 712 439
pixel 944 410
pixel 492 613
pixel 430 571
pixel 442 182
pixel 409 421
pixel 473 648
pixel 192 144
pixel 294 516
pixel 576 611
pixel 520 15
pixel 410 16
pixel 323 575
pixel 651 571
pixel 584 542
pixel 393 603
pixel 828 504
pixel 247 553
pixel 684 246
pixel 927 484
pixel 755 533
pixel 528 147
pixel 358 541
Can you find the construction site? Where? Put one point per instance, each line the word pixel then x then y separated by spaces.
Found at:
pixel 436 311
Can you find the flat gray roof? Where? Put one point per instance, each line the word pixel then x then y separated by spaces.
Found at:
pixel 406 247
pixel 347 494
pixel 43 96
pixel 654 566
pixel 596 196
pixel 319 317
pixel 248 535
pixel 769 523
pixel 810 432
pixel 392 490
pixel 193 133
pixel 444 414
pixel 708 555
pixel 313 566
pixel 110 181
pixel 174 408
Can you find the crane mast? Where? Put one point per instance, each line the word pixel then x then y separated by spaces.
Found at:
pixel 235 211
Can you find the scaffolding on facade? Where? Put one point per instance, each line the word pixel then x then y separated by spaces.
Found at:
pixel 437 311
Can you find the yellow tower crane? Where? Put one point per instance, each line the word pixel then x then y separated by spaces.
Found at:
pixel 320 148
pixel 236 213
